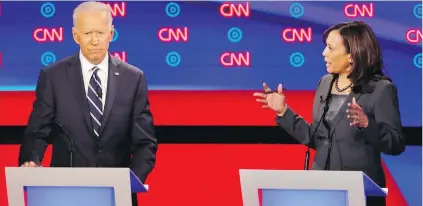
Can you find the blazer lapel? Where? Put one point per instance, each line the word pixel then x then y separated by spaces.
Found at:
pixel 322 93
pixel 342 111
pixel 74 75
pixel 114 79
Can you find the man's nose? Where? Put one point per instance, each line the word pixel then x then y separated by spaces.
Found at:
pixel 94 39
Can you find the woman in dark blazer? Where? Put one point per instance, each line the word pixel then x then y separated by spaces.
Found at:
pixel 355 112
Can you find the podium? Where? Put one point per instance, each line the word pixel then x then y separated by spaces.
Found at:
pixel 312 187
pixel 64 186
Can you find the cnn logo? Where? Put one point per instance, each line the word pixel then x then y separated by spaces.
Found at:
pixel 359 10
pixel 117 9
pixel 171 34
pixel 232 59
pixel 414 36
pixel 120 55
pixel 297 35
pixel 48 34
pixel 235 10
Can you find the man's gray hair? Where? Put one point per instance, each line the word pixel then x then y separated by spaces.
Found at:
pixel 92 6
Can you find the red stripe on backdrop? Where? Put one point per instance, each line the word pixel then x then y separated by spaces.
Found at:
pixel 395 196
pixel 206 175
pixel 182 107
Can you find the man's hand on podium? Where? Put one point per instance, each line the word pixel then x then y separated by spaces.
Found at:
pixel 29 164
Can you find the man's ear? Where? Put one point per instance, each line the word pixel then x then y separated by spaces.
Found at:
pixel 75 35
pixel 112 33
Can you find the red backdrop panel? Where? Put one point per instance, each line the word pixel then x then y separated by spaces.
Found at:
pixel 181 107
pixel 206 175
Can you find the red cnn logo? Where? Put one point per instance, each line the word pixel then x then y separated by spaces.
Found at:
pixel 414 36
pixel 359 10
pixel 117 9
pixel 176 35
pixel 120 55
pixel 297 35
pixel 232 10
pixel 48 35
pixel 231 59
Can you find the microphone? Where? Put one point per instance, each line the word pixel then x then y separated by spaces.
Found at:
pixel 321 99
pixel 71 143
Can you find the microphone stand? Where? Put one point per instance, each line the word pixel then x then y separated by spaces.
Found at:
pixel 71 143
pixel 307 154
pixel 325 109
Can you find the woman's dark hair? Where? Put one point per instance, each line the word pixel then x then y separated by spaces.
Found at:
pixel 360 41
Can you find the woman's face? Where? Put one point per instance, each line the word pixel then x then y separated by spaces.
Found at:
pixel 336 58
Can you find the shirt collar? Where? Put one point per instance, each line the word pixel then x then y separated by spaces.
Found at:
pixel 86 65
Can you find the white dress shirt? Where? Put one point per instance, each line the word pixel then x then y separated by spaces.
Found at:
pixel 87 72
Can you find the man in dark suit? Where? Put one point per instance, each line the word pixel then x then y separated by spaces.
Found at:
pixel 100 101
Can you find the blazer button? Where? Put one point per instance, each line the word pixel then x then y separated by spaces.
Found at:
pixel 99 151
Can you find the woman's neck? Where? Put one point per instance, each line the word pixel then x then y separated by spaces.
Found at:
pixel 343 79
pixel 342 83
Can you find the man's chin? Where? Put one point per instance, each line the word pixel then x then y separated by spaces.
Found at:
pixel 96 58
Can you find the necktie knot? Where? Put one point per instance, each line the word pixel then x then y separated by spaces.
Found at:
pixel 95 70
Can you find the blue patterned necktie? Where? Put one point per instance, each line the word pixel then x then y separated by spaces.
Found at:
pixel 94 96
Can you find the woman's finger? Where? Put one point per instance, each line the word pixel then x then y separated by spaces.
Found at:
pixel 264 101
pixel 266 88
pixel 258 94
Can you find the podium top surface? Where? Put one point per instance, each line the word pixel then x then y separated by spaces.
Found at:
pixel 122 181
pixel 75 176
pixel 312 179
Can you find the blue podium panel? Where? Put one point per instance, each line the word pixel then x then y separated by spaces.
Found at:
pixel 290 197
pixel 371 188
pixel 70 196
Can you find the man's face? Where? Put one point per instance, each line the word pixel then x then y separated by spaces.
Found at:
pixel 93 33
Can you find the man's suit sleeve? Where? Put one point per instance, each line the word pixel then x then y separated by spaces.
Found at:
pixel 144 141
pixel 34 142
pixel 384 130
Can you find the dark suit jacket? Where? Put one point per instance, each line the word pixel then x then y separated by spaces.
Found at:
pixel 127 137
pixel 352 148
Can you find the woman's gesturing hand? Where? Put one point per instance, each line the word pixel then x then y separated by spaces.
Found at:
pixel 272 100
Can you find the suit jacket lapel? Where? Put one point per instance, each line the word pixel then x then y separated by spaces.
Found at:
pixel 74 75
pixel 114 78
pixel 342 111
pixel 325 88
